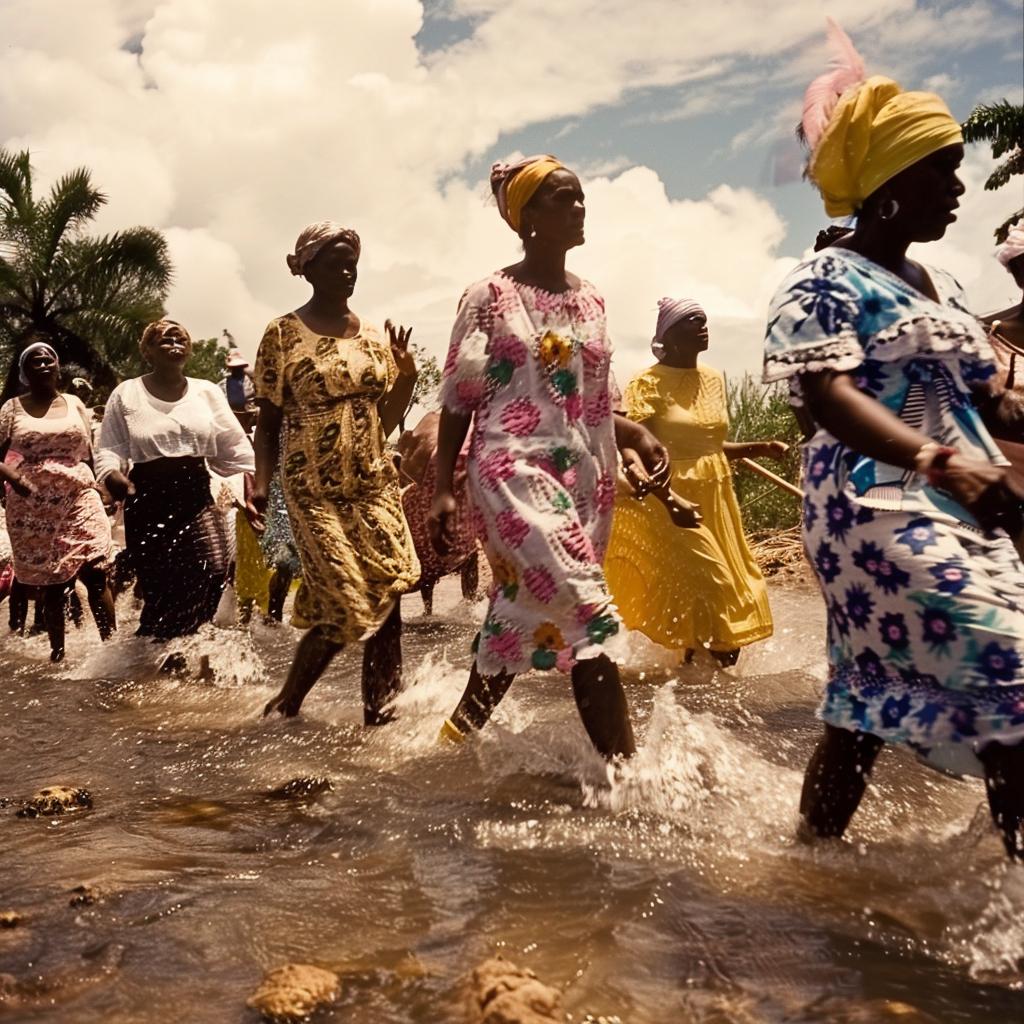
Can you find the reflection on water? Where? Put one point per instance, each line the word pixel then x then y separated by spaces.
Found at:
pixel 675 893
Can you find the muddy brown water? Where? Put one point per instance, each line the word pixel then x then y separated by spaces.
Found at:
pixel 677 894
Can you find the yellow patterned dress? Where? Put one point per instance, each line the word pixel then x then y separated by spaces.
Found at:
pixel 340 484
pixel 686 588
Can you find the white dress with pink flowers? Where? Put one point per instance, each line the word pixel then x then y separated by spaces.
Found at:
pixel 533 368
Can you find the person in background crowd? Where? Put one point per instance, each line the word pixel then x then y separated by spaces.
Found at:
pixel 160 433
pixel 330 390
pixel 701 587
pixel 58 529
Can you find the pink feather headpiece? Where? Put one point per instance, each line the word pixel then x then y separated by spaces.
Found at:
pixel 823 93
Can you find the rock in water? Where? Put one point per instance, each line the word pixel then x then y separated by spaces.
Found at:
pixel 293 992
pixel 55 800
pixel 501 993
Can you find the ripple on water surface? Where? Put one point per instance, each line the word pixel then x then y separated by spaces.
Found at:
pixel 671 890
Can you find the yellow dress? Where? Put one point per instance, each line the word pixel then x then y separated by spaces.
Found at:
pixel 686 588
pixel 340 483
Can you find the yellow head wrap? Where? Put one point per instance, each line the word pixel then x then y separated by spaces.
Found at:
pixel 876 131
pixel 515 185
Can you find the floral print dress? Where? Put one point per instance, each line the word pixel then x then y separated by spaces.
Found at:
pixel 533 368
pixel 62 526
pixel 925 609
pixel 339 481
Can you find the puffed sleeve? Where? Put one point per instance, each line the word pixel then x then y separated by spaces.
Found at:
pixel 812 321
pixel 269 371
pixel 115 439
pixel 464 378
pixel 234 451
pixel 642 399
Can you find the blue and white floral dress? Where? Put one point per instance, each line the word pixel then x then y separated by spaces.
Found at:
pixel 925 609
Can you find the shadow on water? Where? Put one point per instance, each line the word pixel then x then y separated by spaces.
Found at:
pixel 675 893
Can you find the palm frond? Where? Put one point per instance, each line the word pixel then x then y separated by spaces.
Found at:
pixel 72 202
pixel 15 183
pixel 1013 164
pixel 1000 123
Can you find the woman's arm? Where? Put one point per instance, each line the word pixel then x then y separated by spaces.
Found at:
pixel 395 404
pixel 755 450
pixel 234 450
pixel 451 433
pixel 655 469
pixel 268 450
pixel 114 450
pixel 865 425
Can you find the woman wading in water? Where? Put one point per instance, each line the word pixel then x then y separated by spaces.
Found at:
pixel 528 366
pixel 58 529
pixel 162 434
pixel 906 491
pixel 330 389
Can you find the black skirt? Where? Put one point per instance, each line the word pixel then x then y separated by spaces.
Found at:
pixel 177 544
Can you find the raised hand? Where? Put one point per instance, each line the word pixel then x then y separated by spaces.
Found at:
pixel 399 340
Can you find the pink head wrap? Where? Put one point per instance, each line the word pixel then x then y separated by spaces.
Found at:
pixel 314 237
pixel 513 189
pixel 671 311
pixel 1012 247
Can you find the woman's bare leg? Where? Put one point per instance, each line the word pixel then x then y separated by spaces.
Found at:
pixel 835 780
pixel 280 584
pixel 1004 783
pixel 602 706
pixel 382 668
pixel 481 696
pixel 101 601
pixel 53 617
pixel 312 656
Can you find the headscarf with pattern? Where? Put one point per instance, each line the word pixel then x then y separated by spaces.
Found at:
pixel 314 237
pixel 513 185
pixel 671 311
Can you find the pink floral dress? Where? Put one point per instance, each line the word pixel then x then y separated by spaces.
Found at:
pixel 62 526
pixel 533 368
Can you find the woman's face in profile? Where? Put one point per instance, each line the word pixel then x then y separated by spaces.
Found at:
pixel 556 211
pixel 927 193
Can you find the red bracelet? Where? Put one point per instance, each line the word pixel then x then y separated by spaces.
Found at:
pixel 937 466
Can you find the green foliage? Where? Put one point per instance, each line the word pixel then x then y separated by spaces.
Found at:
pixel 91 296
pixel 761 413
pixel 1001 124
pixel 207 360
pixel 428 383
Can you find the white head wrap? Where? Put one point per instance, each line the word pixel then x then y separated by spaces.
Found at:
pixel 1012 247
pixel 671 311
pixel 24 357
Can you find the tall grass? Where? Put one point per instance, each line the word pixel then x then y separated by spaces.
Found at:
pixel 759 412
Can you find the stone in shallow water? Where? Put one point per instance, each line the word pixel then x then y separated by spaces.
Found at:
pixel 502 993
pixel 10 919
pixel 55 800
pixel 293 992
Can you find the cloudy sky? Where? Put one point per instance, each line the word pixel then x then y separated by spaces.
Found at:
pixel 230 124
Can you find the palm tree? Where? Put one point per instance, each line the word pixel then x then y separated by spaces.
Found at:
pixel 1002 124
pixel 91 296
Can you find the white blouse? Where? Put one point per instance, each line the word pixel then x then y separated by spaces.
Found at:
pixel 137 427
